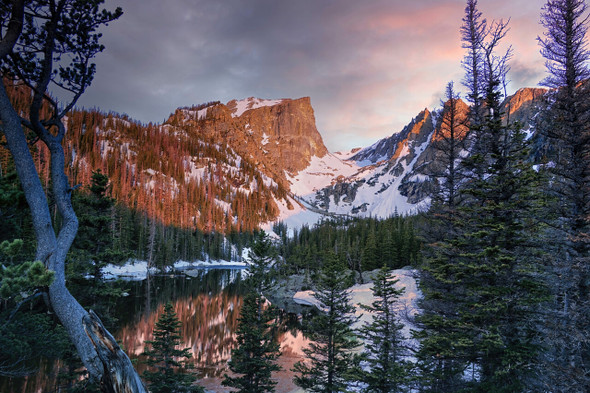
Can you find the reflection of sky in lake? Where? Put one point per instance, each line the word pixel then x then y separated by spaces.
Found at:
pixel 208 306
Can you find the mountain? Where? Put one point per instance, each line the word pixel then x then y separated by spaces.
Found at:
pixel 394 174
pixel 233 167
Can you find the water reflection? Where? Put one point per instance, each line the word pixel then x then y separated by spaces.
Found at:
pixel 208 306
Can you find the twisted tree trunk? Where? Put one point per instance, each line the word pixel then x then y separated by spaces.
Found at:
pixel 85 330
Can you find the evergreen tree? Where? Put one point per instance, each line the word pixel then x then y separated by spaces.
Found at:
pixel 94 248
pixel 473 34
pixel 170 363
pixel 329 363
pixel 262 255
pixel 565 124
pixel 449 142
pixel 383 339
pixel 482 285
pixel 254 359
pixel 370 251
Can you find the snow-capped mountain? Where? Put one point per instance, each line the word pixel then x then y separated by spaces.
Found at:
pixel 236 166
pixel 393 174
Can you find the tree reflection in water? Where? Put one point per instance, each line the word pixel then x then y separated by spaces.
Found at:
pixel 208 306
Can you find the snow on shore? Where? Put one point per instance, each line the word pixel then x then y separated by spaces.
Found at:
pixel 135 270
pixel 406 305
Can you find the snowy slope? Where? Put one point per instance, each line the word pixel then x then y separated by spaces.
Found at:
pixel 344 187
pixel 321 172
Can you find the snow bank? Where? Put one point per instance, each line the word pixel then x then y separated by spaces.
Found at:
pixel 406 305
pixel 132 270
pixel 182 265
pixel 135 270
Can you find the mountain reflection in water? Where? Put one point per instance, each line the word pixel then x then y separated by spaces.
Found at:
pixel 208 306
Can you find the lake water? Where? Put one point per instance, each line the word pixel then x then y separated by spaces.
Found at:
pixel 208 306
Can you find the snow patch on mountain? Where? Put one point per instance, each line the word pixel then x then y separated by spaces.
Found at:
pixel 320 173
pixel 265 139
pixel 202 114
pixel 241 106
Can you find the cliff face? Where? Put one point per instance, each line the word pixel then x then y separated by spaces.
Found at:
pixel 277 135
pixel 285 134
pixel 524 104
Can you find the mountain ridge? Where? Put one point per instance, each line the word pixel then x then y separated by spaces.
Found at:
pixel 236 166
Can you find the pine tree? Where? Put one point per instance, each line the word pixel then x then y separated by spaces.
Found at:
pixel 262 256
pixel 482 285
pixel 329 363
pixel 473 34
pixel 450 142
pixel 254 359
pixel 383 339
pixel 169 362
pixel 94 248
pixel 370 251
pixel 566 126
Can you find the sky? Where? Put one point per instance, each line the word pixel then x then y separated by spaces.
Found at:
pixel 369 66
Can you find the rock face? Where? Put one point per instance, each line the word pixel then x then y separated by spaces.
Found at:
pixel 287 133
pixel 524 104
pixel 278 135
pixel 393 147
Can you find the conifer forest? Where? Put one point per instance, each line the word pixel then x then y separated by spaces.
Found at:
pixel 225 249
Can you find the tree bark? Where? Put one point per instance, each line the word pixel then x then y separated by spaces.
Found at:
pixel 122 377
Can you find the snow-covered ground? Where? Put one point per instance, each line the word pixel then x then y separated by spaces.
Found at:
pixel 296 217
pixel 320 173
pixel 406 305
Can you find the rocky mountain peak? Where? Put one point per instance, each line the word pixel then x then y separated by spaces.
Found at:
pixel 393 147
pixel 523 97
pixel 283 132
pixel 278 136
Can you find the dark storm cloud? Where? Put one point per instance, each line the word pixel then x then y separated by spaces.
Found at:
pixel 369 66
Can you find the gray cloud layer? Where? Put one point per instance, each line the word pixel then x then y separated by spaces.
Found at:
pixel 369 66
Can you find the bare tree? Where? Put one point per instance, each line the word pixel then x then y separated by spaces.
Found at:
pixel 47 43
pixel 473 34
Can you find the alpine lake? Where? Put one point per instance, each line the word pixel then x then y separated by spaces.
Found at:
pixel 207 302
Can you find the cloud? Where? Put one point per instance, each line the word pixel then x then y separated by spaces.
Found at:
pixel 369 66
